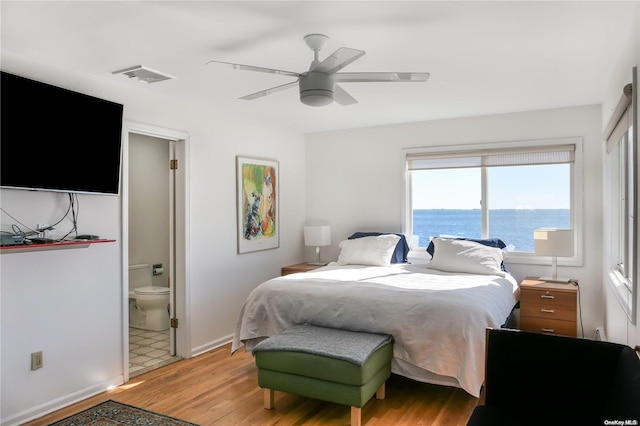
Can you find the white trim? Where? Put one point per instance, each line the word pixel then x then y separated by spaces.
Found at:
pixel 625 292
pixel 211 345
pixel 182 235
pixel 621 291
pixel 577 185
pixel 635 276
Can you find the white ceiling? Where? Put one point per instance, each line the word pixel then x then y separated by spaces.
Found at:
pixel 484 57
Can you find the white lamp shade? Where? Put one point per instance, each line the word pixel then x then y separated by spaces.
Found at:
pixel 553 242
pixel 317 235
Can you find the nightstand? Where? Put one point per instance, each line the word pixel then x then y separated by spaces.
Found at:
pixel 548 307
pixel 300 267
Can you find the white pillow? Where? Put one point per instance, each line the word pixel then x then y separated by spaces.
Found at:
pixel 418 257
pixel 373 250
pixel 466 257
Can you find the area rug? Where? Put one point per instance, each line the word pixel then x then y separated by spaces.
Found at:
pixel 112 413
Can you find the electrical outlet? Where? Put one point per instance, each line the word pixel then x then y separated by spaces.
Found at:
pixel 599 334
pixel 36 360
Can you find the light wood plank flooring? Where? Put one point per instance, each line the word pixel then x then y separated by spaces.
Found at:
pixel 218 388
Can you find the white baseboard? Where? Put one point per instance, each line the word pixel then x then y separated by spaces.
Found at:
pixel 58 403
pixel 215 344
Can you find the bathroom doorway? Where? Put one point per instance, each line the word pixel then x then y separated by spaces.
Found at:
pixel 154 234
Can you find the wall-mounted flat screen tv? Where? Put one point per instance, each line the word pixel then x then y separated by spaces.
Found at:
pixel 54 139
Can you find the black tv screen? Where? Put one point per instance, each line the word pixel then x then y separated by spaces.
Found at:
pixel 55 139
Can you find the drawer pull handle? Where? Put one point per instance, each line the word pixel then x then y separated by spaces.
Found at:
pixel 547 311
pixel 547 296
pixel 548 330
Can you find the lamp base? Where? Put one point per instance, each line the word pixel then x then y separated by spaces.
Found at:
pixel 555 280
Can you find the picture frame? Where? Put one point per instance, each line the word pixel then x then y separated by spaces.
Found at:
pixel 257 204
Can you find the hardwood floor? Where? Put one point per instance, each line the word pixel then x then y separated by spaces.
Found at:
pixel 218 388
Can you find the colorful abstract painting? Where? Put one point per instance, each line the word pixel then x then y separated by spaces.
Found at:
pixel 257 183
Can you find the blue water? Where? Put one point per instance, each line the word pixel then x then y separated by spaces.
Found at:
pixel 513 226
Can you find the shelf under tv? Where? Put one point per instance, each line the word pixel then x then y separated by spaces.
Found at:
pixel 62 245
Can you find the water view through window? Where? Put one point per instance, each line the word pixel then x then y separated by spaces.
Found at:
pixel 513 226
pixel 519 199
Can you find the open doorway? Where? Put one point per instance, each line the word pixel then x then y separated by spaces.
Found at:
pixel 154 262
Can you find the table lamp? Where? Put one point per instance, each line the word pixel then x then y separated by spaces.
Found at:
pixel 317 235
pixel 555 243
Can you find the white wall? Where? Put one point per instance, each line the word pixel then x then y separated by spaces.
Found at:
pixel 617 326
pixel 355 180
pixel 149 205
pixel 68 303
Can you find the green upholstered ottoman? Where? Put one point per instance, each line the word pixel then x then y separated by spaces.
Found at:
pixel 340 366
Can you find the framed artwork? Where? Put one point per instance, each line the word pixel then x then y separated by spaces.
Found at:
pixel 257 193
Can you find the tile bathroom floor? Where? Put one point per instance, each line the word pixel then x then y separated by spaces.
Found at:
pixel 148 350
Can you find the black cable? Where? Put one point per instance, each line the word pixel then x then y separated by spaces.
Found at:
pixel 73 201
pixel 74 208
pixel 25 234
pixel 575 282
pixel 16 229
pixel 59 221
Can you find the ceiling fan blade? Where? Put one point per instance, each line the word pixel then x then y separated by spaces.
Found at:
pixel 338 60
pixel 258 69
pixel 269 91
pixel 361 77
pixel 342 97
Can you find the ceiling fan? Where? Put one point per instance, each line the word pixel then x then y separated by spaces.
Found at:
pixel 318 86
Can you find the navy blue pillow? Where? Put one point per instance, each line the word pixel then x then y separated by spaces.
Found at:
pixel 491 242
pixel 402 248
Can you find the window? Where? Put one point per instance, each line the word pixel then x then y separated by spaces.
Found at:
pixel 499 191
pixel 621 206
pixel 625 203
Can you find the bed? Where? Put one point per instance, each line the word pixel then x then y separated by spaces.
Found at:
pixel 437 317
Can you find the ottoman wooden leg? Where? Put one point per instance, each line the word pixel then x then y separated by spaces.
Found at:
pixel 268 398
pixel 380 393
pixel 356 416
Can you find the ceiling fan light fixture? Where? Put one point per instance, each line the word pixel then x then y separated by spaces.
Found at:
pixel 316 98
pixel 316 89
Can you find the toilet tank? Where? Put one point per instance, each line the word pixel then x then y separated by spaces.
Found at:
pixel 139 276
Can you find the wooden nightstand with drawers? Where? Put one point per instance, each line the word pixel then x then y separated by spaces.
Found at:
pixel 548 307
pixel 300 267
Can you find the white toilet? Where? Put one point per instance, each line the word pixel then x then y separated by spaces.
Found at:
pixel 148 305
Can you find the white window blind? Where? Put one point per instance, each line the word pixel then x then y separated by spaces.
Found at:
pixel 620 121
pixel 550 154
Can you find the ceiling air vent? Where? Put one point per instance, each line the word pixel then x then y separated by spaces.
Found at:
pixel 144 74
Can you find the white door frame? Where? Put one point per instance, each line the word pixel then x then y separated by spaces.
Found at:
pixel 180 245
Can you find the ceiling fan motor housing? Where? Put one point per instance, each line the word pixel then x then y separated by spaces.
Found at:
pixel 316 88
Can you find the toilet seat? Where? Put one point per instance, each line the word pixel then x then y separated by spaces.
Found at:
pixel 152 290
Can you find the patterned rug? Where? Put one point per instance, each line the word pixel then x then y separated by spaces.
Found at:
pixel 112 413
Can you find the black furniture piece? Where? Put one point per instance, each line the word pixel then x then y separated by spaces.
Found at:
pixel 543 379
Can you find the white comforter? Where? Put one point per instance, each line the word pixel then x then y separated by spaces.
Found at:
pixel 438 319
